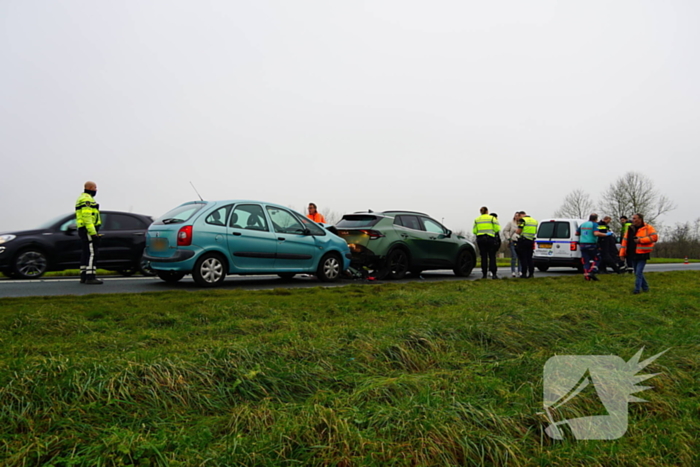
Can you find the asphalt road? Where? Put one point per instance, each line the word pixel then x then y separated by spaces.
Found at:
pixel 112 284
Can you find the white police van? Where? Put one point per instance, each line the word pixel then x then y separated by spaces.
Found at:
pixel 556 244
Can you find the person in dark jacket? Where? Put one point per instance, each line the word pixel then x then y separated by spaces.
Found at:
pixel 609 255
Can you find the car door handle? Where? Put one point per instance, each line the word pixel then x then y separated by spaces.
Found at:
pixel 281 239
pixel 235 233
pixel 433 238
pixel 138 233
pixel 404 235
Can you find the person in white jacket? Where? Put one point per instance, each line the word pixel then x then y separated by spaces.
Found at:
pixel 510 236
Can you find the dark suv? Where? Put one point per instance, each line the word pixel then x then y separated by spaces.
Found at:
pixel 55 246
pixel 392 243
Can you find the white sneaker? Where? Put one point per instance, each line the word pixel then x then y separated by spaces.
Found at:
pixel 512 274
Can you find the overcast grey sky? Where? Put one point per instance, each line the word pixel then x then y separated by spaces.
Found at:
pixel 440 106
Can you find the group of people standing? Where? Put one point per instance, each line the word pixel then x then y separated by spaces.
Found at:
pixel 596 243
pixel 519 233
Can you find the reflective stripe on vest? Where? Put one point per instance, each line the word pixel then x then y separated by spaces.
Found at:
pixel 484 225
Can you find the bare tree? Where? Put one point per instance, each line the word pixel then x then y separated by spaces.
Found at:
pixel 577 205
pixel 632 193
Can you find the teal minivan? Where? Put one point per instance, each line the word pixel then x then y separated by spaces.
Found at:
pixel 213 239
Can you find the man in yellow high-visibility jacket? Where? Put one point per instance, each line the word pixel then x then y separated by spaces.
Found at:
pixel 88 221
pixel 486 227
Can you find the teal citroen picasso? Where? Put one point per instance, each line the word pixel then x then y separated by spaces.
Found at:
pixel 211 239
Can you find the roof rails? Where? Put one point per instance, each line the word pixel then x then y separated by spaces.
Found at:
pixel 409 212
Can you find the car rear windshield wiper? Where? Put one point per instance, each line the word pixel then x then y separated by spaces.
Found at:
pixel 172 220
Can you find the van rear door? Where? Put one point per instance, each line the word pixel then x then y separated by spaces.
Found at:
pixel 556 239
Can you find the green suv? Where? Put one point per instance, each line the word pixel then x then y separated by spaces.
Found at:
pixel 392 243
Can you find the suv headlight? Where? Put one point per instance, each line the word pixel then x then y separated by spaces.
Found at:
pixel 6 238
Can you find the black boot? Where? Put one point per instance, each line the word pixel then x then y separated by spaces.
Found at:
pixel 92 280
pixel 83 277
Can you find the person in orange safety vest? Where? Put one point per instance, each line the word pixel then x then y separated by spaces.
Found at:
pixel 636 247
pixel 314 215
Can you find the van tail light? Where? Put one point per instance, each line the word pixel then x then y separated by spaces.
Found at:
pixel 573 246
pixel 373 234
pixel 184 236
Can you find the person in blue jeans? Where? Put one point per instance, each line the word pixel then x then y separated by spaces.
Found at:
pixel 636 247
pixel 588 233
pixel 509 234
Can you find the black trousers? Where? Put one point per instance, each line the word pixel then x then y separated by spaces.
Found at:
pixel 487 250
pixel 525 251
pixel 608 258
pixel 88 257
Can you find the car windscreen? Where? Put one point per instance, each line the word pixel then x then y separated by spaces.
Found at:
pixel 554 230
pixel 52 222
pixel 357 221
pixel 180 214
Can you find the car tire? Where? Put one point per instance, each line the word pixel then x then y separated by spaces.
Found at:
pixel 209 270
pixel 329 268
pixel 466 260
pixel 542 268
pixel 286 275
pixel 170 276
pixel 397 264
pixel 31 263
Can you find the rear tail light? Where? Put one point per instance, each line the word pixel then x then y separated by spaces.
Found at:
pixel 373 234
pixel 184 236
pixel 573 246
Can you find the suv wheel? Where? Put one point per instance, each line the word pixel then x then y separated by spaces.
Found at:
pixel 329 268
pixel 465 263
pixel 209 271
pixel 397 263
pixel 30 264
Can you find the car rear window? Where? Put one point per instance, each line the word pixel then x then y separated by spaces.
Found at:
pixel 354 221
pixel 180 214
pixel 554 230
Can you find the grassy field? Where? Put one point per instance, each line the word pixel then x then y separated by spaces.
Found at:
pixel 384 374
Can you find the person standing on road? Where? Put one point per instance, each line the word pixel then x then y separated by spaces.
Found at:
pixel 509 234
pixel 486 227
pixel 609 255
pixel 588 234
pixel 636 247
pixel 526 232
pixel 625 225
pixel 88 221
pixel 314 215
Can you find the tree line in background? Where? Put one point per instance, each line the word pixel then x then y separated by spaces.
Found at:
pixel 635 193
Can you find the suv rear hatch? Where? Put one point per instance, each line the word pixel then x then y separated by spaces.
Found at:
pixel 356 229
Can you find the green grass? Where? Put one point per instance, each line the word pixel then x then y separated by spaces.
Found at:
pixel 386 374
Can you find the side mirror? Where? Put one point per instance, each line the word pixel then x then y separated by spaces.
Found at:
pixel 448 234
pixel 306 232
pixel 71 229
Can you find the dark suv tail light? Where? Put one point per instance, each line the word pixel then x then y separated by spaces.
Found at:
pixel 573 246
pixel 184 236
pixel 373 234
